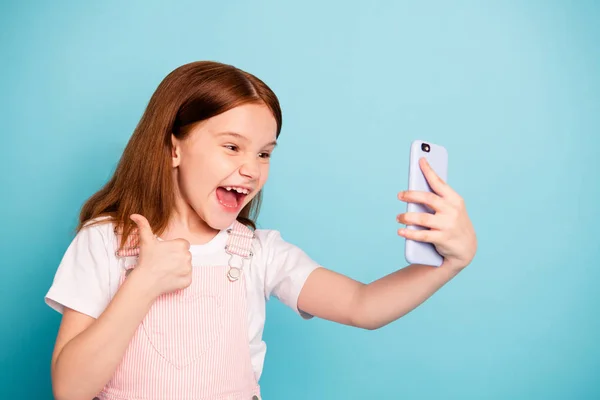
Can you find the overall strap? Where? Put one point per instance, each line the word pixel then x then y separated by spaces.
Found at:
pixel 240 240
pixel 239 246
pixel 131 247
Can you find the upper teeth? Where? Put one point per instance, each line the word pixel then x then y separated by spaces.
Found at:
pixel 237 189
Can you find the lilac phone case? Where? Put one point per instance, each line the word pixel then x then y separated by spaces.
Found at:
pixel 421 252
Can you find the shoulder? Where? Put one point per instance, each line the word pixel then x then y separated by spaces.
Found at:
pixel 269 242
pixel 85 277
pixel 285 267
pixel 278 255
pixel 95 241
pixel 267 237
pixel 98 233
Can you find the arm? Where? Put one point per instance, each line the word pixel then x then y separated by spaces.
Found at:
pixel 341 299
pixel 87 351
pixel 329 295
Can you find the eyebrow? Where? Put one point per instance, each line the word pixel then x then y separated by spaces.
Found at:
pixel 243 138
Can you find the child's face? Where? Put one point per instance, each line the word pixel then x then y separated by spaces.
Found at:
pixel 224 162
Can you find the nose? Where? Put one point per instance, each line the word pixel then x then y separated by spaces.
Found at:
pixel 251 168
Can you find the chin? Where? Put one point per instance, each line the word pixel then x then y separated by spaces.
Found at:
pixel 220 218
pixel 220 222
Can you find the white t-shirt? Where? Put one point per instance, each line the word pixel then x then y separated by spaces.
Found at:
pixel 88 276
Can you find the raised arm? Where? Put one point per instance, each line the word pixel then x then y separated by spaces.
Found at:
pixel 335 297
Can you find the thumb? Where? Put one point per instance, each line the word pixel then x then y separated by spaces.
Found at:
pixel 144 229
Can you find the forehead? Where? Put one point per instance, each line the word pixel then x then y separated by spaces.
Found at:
pixel 253 121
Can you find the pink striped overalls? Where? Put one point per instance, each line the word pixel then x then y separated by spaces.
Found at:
pixel 193 343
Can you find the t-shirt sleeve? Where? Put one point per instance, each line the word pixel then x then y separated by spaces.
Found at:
pixel 287 268
pixel 82 279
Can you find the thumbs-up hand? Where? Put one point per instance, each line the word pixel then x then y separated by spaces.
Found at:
pixel 167 264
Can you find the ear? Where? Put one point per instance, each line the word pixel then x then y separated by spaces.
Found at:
pixel 175 151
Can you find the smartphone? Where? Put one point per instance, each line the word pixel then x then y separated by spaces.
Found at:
pixel 420 252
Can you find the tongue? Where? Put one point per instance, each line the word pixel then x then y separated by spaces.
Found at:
pixel 227 198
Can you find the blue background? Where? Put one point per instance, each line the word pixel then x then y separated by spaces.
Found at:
pixel 511 88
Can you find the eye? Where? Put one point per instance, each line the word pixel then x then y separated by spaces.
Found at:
pixel 264 155
pixel 231 147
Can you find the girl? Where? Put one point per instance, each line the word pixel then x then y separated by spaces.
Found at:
pixel 163 289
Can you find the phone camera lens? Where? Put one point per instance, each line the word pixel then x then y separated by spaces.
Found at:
pixel 425 147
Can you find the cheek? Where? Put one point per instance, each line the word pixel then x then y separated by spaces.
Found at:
pixel 194 177
pixel 264 174
pixel 189 184
pixel 201 173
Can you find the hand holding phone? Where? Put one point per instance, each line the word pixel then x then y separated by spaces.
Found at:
pixel 437 156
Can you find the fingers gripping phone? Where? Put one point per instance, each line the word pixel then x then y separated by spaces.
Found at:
pixel 421 252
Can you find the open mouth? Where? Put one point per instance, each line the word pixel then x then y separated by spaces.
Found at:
pixel 231 197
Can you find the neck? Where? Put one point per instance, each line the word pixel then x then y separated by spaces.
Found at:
pixel 189 227
pixel 185 223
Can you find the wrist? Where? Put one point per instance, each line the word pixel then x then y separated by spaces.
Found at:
pixel 144 283
pixel 452 266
